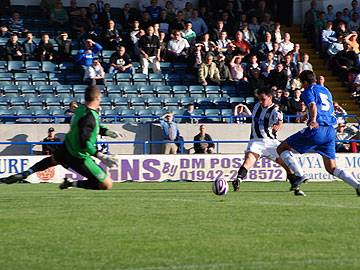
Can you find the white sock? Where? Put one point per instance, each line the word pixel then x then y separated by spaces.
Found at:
pixel 292 163
pixel 346 177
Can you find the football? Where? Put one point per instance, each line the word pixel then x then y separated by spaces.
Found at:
pixel 220 187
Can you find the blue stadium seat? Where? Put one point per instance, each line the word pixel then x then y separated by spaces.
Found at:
pixel 114 89
pixel 139 79
pixel 65 101
pixel 58 113
pixel 250 101
pixel 180 90
pixel 148 90
pixel 196 90
pixel 10 89
pixel 3 102
pixel 80 98
pixel 49 67
pixel 228 91
pixel 173 79
pixel 123 78
pixel 178 112
pixel 222 102
pixel 204 103
pixel 209 113
pixel 131 89
pixel 52 101
pixel 7 112
pixel 184 101
pixel 79 89
pixel 106 101
pixel 120 101
pixel 73 78
pixel 5 77
pixel 190 79
pixel 22 78
pixel 180 67
pixel 39 79
pixel 227 112
pixel 145 112
pixel 236 100
pixel 66 66
pixel 166 67
pixel 155 79
pixel 105 55
pixel 26 116
pixel 128 112
pixel 63 89
pixel 45 89
pixel 17 101
pixel 172 102
pixel 160 112
pixel 35 101
pixel 32 66
pixel 137 101
pixel 163 91
pixel 3 64
pixel 42 113
pixel 109 79
pixel 154 101
pixel 15 66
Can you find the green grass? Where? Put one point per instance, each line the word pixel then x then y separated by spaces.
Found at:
pixel 173 226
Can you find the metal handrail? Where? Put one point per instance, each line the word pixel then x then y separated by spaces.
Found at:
pixel 147 143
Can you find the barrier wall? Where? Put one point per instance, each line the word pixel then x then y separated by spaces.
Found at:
pixel 157 168
pixel 131 132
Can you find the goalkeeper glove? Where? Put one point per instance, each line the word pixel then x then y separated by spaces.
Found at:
pixel 112 134
pixel 109 160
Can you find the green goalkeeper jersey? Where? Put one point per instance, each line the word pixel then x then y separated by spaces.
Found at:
pixel 80 141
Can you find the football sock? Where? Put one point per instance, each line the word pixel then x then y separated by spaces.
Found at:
pixel 242 173
pixel 86 184
pixel 346 177
pixel 26 173
pixel 40 166
pixel 292 163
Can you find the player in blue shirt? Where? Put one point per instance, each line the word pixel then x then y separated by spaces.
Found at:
pixel 319 136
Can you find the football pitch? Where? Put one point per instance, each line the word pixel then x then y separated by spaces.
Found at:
pixel 175 226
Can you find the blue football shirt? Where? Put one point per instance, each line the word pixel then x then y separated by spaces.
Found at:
pixel 322 97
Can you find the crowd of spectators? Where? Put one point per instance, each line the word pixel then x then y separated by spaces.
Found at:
pixel 334 35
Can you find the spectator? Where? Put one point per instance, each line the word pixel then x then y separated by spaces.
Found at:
pixel 342 133
pixel 178 23
pixel 223 42
pixel 70 111
pixel 16 24
pixel 295 103
pixel 203 144
pixel 351 40
pixel 286 45
pixel 145 21
pixel 82 24
pixel 354 7
pixel 256 81
pixel 46 50
pixel 163 46
pixel 278 56
pixel 338 110
pixel 94 74
pixel 249 36
pixel 111 37
pixel 149 46
pixel 253 65
pixel 4 32
pixel 242 112
pixel 265 47
pixel 188 10
pixel 196 57
pixel 268 65
pixel 189 113
pixel 154 10
pixel 143 4
pixel 302 115
pixel 305 65
pixel 321 80
pixel 93 16
pixel 126 16
pixel 59 16
pixel 267 25
pixel 328 36
pixel 216 31
pixel 311 18
pixel 188 33
pixel 170 133
pixel 106 16
pixel 198 24
pixel 336 46
pixel 208 72
pixel 277 33
pixel 341 29
pixel 223 68
pixel 241 45
pixel 164 22
pixel 170 11
pixel 330 15
pixel 290 67
pixel 346 16
pixel 13 49
pixel 254 26
pixel 296 54
pixel 177 48
pixel 120 62
pixel 49 149
pixel 85 56
pixel 354 24
pixel 64 49
pixel 29 47
pixel 278 77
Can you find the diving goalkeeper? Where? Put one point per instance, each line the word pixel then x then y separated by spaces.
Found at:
pixel 79 148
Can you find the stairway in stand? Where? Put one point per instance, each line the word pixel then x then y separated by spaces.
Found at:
pixel 340 92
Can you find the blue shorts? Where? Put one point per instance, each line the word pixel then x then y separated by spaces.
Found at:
pixel 320 140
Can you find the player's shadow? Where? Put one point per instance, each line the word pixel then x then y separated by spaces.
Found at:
pixel 138 130
pixel 17 149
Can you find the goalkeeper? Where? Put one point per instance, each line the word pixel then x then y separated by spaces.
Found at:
pixel 79 147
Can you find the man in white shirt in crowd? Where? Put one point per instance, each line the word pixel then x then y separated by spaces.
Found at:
pixel 177 48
